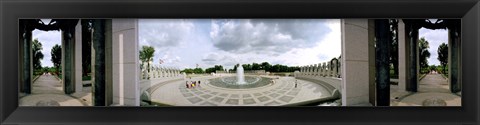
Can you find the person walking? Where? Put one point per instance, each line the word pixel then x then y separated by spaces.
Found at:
pixel 296 83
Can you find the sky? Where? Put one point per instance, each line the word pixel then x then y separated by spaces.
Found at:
pixel 434 38
pixel 184 43
pixel 48 40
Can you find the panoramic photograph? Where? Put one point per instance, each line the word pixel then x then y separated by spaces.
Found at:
pixel 240 62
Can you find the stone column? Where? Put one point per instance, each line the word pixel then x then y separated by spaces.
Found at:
pixel 382 61
pixel 165 71
pixel 68 57
pixel 145 72
pixel 160 71
pixel 177 72
pixel 150 72
pixel 78 58
pixel 334 74
pixel 155 72
pixel 304 70
pixel 320 70
pixel 403 59
pixel 453 60
pixel 98 85
pixel 339 69
pixel 413 58
pixel 27 60
pixel 355 55
pixel 307 70
pixel 324 68
pixel 314 73
pixel 328 70
pixel 125 64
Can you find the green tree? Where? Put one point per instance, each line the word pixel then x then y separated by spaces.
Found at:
pixel 235 67
pixel 256 66
pixel 266 66
pixel 275 68
pixel 218 67
pixel 443 55
pixel 146 55
pixel 37 54
pixel 423 51
pixel 198 70
pixel 56 59
pixel 210 70
pixel 188 71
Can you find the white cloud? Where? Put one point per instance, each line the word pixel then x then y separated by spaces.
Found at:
pixel 271 36
pixel 164 33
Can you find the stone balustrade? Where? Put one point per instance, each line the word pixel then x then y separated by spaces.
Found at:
pixel 325 69
pixel 159 72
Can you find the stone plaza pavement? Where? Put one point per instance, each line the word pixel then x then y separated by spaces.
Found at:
pixel 47 90
pixel 433 90
pixel 280 93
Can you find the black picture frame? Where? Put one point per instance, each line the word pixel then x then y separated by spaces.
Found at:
pixel 12 10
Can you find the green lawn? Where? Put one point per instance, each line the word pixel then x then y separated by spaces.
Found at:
pixel 86 78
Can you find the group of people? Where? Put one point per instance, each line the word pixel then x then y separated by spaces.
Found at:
pixel 192 84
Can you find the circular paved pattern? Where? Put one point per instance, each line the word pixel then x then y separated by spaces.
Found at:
pixel 49 100
pixel 48 103
pixel 431 99
pixel 434 102
pixel 230 82
pixel 280 93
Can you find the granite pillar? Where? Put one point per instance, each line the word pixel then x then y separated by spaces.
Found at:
pixel 98 85
pixel 412 85
pixel 382 61
pixel 453 60
pixel 27 61
pixel 68 59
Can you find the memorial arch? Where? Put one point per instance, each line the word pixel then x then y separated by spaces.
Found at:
pixel 366 44
pixel 113 40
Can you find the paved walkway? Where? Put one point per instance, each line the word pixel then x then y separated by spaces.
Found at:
pixel 47 90
pixel 280 93
pixel 433 91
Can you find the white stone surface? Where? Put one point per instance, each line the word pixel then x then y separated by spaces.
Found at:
pixel 78 57
pixel 355 60
pixel 403 53
pixel 125 62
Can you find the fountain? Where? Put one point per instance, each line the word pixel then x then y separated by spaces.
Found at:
pixel 239 80
pixel 240 76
